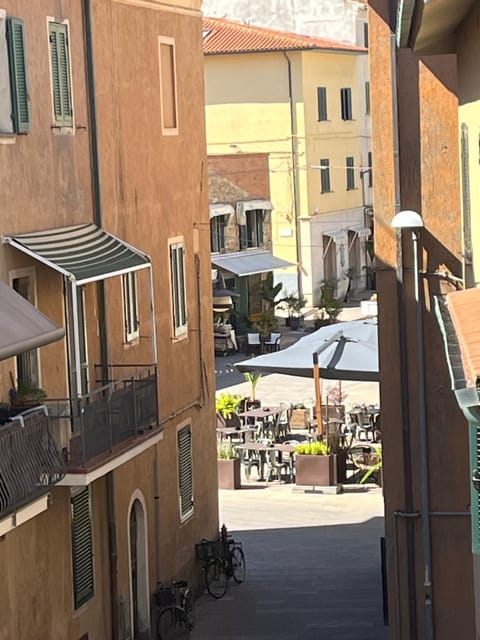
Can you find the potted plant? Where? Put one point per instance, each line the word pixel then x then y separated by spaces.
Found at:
pixel 228 466
pixel 266 323
pixel 330 306
pixel 317 465
pixel 294 306
pixel 26 396
pixel 227 404
pixel 253 379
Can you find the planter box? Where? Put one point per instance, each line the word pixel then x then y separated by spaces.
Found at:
pixel 229 474
pixel 320 471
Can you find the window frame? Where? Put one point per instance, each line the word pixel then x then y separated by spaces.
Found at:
pixel 367 97
pixel 325 184
pixel 63 122
pixel 218 225
pixel 346 103
pixel 252 234
pixel 370 173
pixel 185 512
pixel 168 41
pixel 178 288
pixel 16 108
pixel 130 306
pixel 350 168
pixel 80 599
pixel 322 106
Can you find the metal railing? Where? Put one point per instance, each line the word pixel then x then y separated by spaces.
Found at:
pixel 108 416
pixel 30 460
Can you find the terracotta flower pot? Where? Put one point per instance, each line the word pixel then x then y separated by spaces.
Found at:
pixel 229 474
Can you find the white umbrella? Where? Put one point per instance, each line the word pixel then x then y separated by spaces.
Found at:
pixel 341 351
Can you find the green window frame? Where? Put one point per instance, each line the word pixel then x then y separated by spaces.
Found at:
pixel 322 104
pixel 217 233
pixel 350 173
pixel 82 546
pixel 18 75
pixel 346 103
pixel 185 471
pixel 61 75
pixel 325 176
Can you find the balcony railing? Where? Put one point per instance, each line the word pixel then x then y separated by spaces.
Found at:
pixel 122 409
pixel 30 460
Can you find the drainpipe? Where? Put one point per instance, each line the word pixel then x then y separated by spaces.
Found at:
pixel 404 394
pixel 295 186
pixel 102 311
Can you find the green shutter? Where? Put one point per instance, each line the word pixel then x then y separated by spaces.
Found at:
pixel 185 475
pixel 61 81
pixel 18 75
pixel 82 548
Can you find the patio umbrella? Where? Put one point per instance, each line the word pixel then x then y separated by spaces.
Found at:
pixel 341 351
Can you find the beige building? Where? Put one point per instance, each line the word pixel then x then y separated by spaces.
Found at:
pixel 107 486
pixel 297 99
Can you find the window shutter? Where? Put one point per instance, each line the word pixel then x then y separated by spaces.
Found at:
pixel 467 211
pixel 18 75
pixel 474 428
pixel 367 98
pixel 82 547
pixel 61 82
pixel 346 103
pixel 325 176
pixel 185 475
pixel 322 103
pixel 350 173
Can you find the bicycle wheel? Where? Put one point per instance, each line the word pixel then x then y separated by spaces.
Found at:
pixel 172 624
pixel 216 578
pixel 239 569
pixel 189 606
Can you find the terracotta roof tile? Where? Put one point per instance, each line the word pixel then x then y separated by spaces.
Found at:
pixel 464 308
pixel 226 36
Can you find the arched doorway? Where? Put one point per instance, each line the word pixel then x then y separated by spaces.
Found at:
pixel 138 554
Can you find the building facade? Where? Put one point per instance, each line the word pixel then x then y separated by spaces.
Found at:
pixel 105 230
pixel 296 99
pixel 416 125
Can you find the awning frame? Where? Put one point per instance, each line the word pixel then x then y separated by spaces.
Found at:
pixel 75 283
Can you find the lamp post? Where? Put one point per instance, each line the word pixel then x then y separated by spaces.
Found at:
pixel 411 220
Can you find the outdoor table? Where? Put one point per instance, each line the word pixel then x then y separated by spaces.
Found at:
pixel 261 414
pixel 233 431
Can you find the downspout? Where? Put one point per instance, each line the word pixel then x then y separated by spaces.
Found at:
pixel 295 187
pixel 406 444
pixel 102 311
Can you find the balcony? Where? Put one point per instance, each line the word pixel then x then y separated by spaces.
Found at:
pixel 30 460
pixel 98 427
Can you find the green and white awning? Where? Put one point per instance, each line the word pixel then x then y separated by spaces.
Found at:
pixel 84 253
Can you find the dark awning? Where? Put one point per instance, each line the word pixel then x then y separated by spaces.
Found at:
pixel 84 253
pixel 22 326
pixel 246 263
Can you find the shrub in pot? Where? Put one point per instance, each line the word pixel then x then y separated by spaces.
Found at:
pixel 316 465
pixel 227 404
pixel 228 466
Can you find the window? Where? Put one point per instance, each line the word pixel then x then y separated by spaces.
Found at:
pixel 350 173
pixel 14 104
pixel 325 176
pixel 185 472
pixel 322 103
pixel 177 274
pixel 130 306
pixel 367 98
pixel 251 234
pixel 365 34
pixel 82 546
pixel 217 233
pixel 168 85
pixel 61 77
pixel 346 102
pixel 370 173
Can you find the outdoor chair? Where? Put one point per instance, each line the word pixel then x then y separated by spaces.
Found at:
pixel 273 342
pixel 283 422
pixel 254 344
pixel 250 459
pixel 276 464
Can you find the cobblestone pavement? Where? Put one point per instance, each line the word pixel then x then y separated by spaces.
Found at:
pixel 313 567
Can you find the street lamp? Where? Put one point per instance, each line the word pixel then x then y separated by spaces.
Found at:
pixel 413 221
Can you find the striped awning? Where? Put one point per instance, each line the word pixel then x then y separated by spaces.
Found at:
pixel 246 263
pixel 84 253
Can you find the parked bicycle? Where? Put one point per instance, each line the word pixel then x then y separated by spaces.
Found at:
pixel 222 559
pixel 176 612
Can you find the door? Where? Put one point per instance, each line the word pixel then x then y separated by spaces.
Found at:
pixel 133 567
pixel 354 262
pixel 138 556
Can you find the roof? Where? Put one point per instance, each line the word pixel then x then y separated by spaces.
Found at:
pixel 83 252
pixel 226 36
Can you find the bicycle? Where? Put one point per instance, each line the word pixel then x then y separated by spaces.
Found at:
pixel 222 559
pixel 176 615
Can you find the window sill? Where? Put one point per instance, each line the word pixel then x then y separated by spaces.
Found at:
pixel 60 130
pixel 8 138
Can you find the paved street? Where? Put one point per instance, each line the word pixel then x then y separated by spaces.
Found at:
pixel 313 568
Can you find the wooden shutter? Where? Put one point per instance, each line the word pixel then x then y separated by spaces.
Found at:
pixel 350 173
pixel 61 81
pixel 82 547
pixel 325 176
pixel 322 103
pixel 346 103
pixel 185 475
pixel 474 428
pixel 18 75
